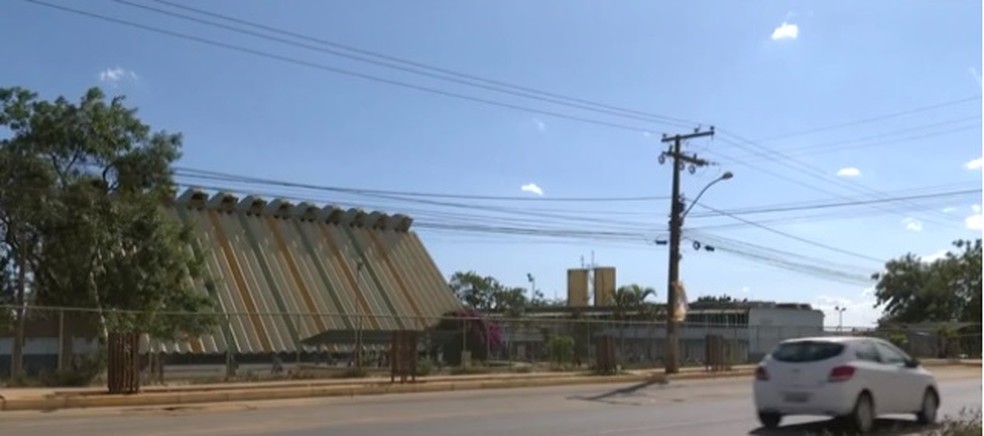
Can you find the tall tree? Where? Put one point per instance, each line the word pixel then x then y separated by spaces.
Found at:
pixel 485 293
pixel 945 290
pixel 82 187
pixel 630 303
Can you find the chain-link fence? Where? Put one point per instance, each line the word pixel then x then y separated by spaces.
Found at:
pixel 67 340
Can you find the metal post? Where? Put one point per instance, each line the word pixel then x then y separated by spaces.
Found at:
pixel 61 340
pixel 358 331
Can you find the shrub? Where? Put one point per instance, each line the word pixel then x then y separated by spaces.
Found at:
pixel 425 366
pixel 561 349
pixel 471 370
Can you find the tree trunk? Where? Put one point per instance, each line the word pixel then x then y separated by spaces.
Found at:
pixel 17 350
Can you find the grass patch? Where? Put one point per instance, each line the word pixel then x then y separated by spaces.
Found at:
pixel 471 370
pixel 353 372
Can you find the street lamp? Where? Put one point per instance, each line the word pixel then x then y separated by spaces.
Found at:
pixel 840 317
pixel 676 230
pixel 726 176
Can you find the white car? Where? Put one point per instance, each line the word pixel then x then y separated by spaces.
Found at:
pixel 853 378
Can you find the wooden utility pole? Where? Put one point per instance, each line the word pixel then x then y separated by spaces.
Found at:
pixel 679 161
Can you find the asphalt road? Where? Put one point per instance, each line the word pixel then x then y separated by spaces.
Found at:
pixel 694 408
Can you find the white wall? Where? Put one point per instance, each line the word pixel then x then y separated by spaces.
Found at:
pixel 770 325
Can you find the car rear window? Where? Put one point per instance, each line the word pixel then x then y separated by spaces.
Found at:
pixel 807 351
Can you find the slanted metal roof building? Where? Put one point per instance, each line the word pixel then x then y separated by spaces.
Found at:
pixel 287 273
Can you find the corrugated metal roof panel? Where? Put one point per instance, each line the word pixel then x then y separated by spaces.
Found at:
pixel 283 273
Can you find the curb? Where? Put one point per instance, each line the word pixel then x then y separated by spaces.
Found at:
pixel 266 394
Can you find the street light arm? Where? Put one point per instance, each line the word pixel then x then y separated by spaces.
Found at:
pixel 723 177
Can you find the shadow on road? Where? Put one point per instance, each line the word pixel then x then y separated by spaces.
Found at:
pixel 835 428
pixel 609 396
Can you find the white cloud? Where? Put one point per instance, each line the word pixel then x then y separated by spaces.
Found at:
pixel 532 188
pixel 949 209
pixel 913 224
pixel 540 125
pixel 976 75
pixel 849 172
pixel 975 222
pixel 785 31
pixel 116 75
pixel 975 164
pixel 933 257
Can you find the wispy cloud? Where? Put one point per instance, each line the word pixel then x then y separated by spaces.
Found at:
pixel 912 224
pixel 849 172
pixel 532 188
pixel 785 30
pixel 540 125
pixel 116 75
pixel 976 75
pixel 974 164
pixel 949 209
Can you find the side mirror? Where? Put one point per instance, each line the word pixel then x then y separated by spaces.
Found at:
pixel 912 363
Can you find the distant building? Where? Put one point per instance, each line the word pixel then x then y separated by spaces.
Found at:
pixel 751 328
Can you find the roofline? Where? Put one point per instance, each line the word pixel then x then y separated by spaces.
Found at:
pixel 194 198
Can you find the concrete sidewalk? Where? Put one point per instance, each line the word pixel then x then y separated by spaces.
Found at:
pixel 18 393
pixel 51 399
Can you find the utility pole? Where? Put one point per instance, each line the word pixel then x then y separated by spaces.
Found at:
pixel 679 161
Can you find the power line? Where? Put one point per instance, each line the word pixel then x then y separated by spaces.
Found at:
pixel 594 235
pixel 335 70
pixel 192 172
pixel 398 64
pixel 791 236
pixel 772 251
pixel 559 215
pixel 805 169
pixel 878 139
pixel 775 209
pixel 871 119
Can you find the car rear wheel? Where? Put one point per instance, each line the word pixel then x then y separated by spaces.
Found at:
pixel 770 420
pixel 862 419
pixel 930 406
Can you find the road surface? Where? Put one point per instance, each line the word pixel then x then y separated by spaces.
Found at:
pixel 692 408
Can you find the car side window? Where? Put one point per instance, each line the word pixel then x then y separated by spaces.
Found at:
pixel 890 356
pixel 866 352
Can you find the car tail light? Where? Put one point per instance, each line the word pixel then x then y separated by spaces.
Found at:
pixel 761 374
pixel 841 373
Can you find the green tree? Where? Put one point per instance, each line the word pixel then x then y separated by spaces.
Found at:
pixel 561 350
pixel 945 290
pixel 82 187
pixel 630 304
pixel 486 294
pixel 724 298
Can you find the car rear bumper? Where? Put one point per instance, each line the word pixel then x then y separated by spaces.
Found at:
pixel 826 400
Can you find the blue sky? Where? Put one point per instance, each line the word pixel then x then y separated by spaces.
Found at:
pixel 784 67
